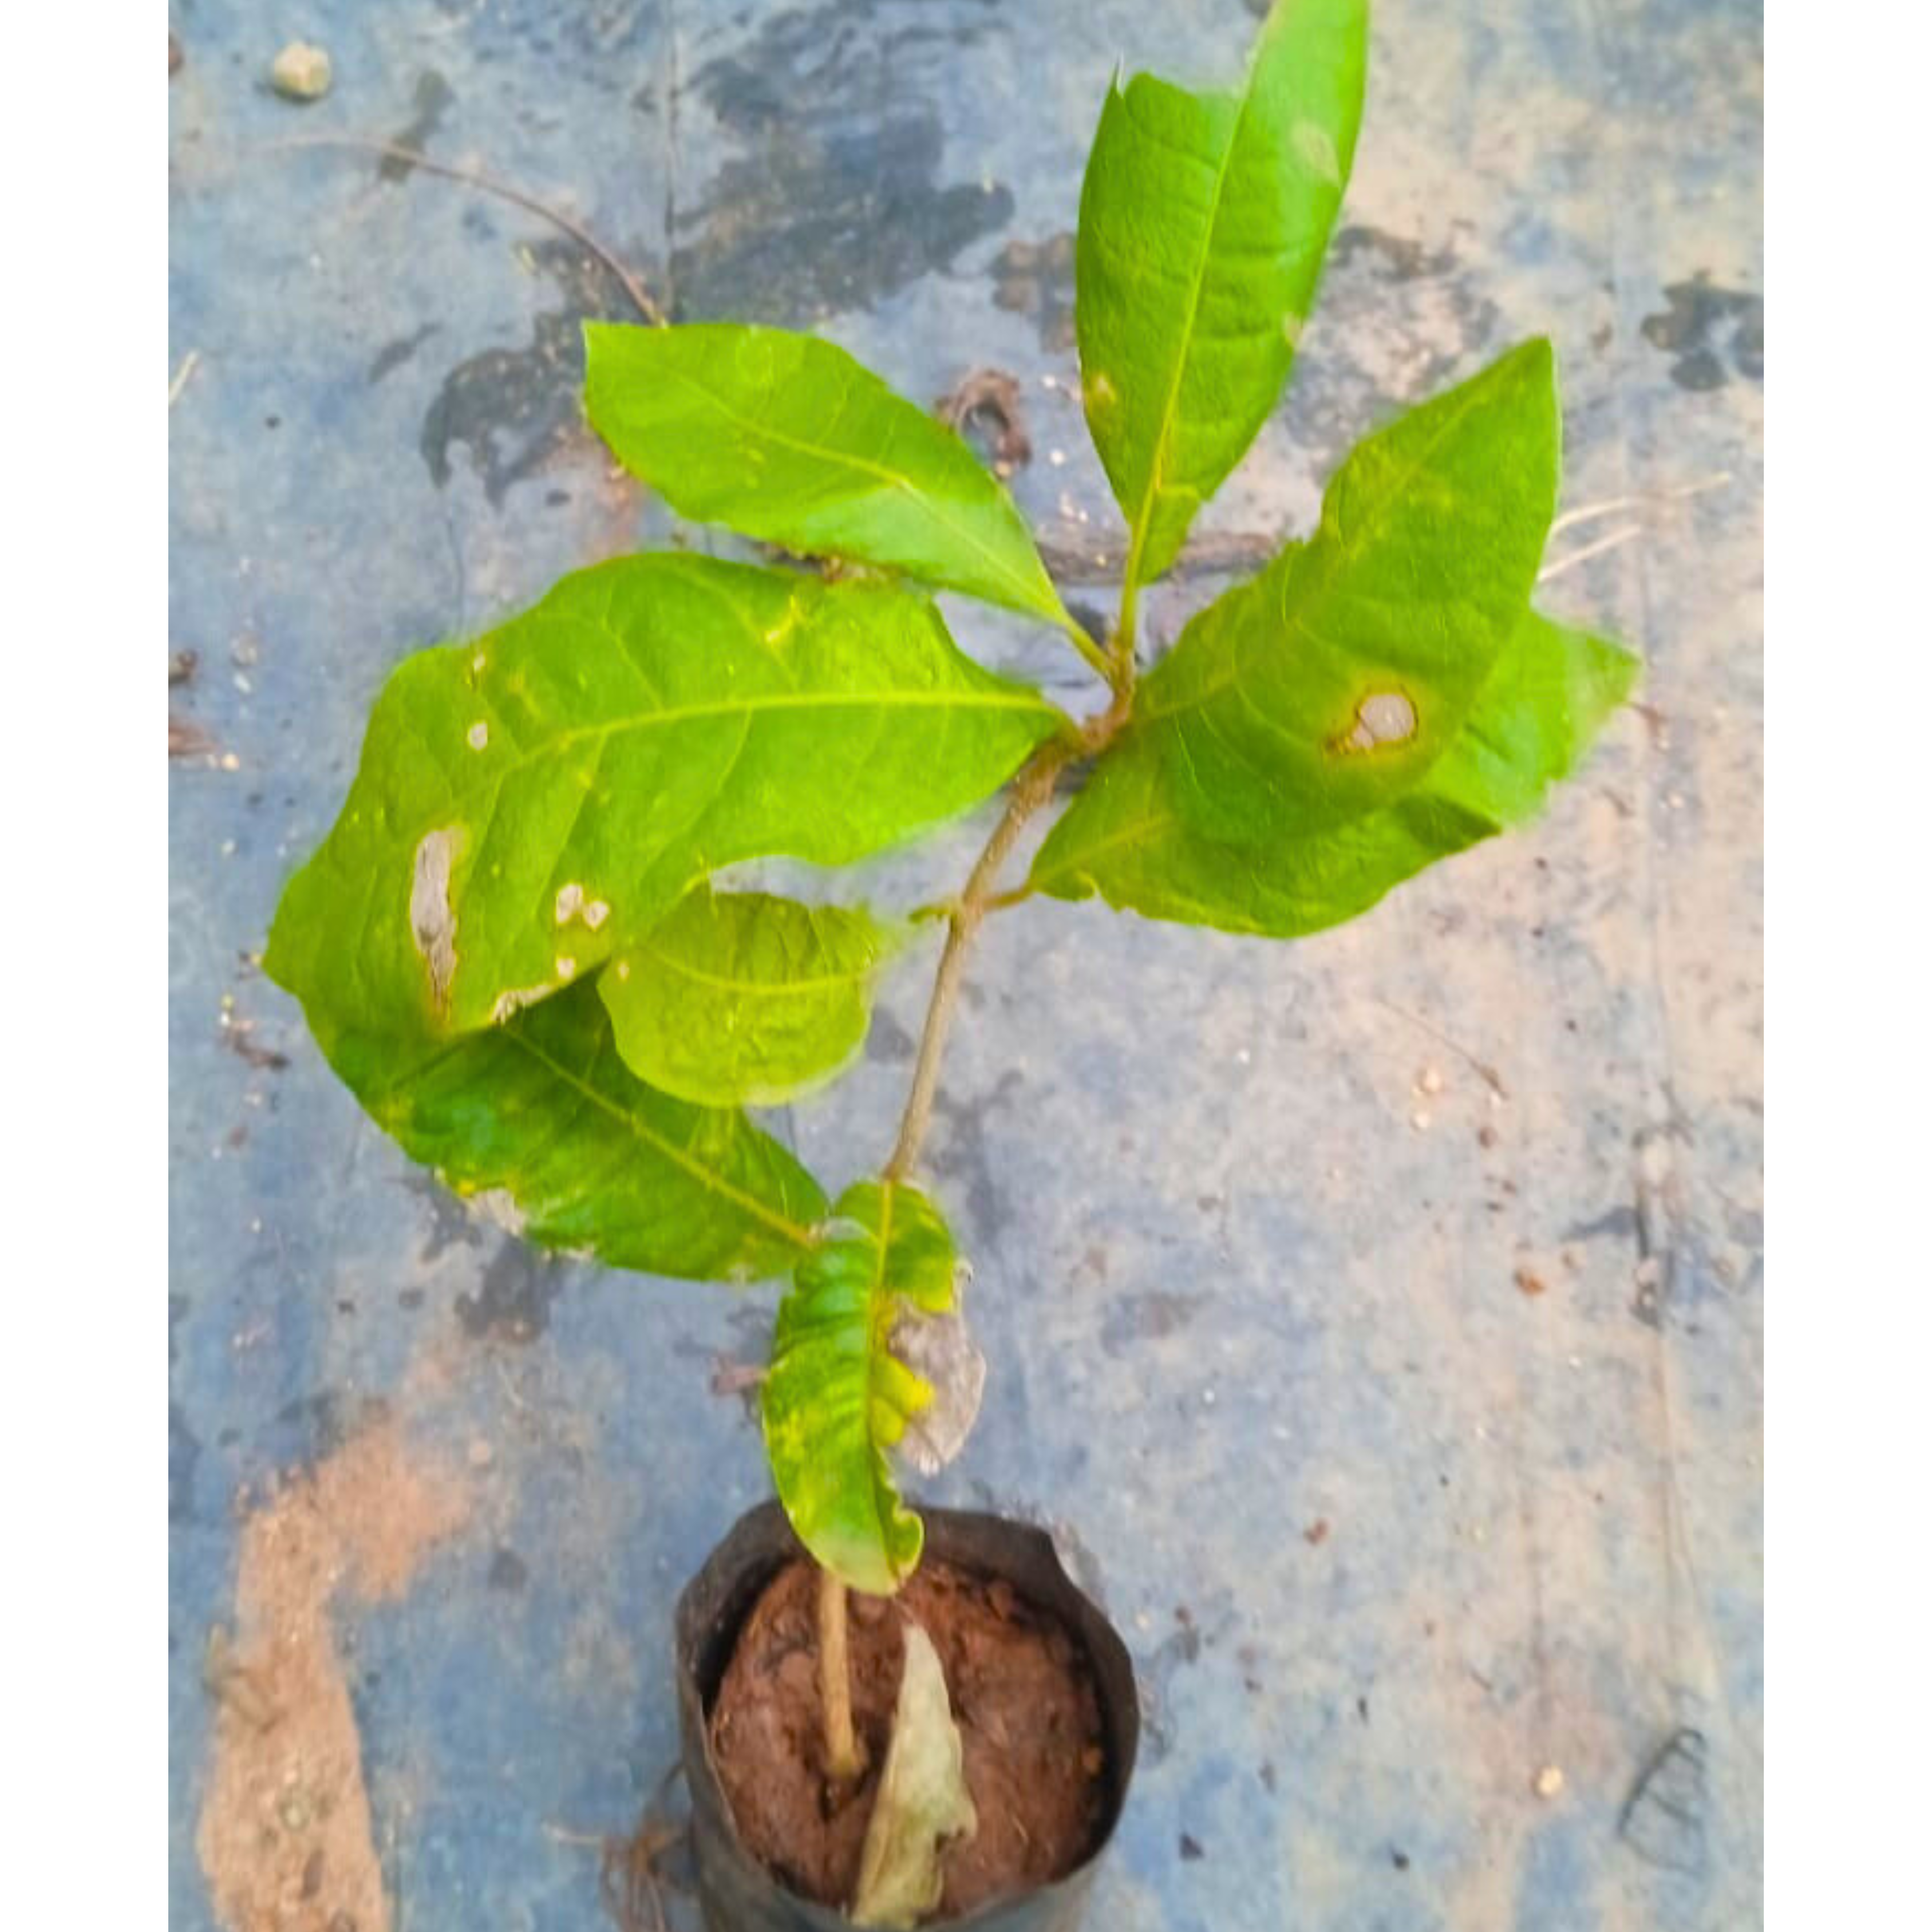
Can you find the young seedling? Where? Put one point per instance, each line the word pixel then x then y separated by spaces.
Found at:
pixel 518 946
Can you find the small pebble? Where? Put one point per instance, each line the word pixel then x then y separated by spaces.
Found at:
pixel 1549 1782
pixel 1419 1120
pixel 1430 1081
pixel 301 72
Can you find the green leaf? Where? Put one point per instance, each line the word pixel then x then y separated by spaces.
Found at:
pixel 1321 692
pixel 784 437
pixel 1204 219
pixel 838 1397
pixel 922 1799
pixel 1322 687
pixel 1532 724
pixel 737 997
pixel 530 803
pixel 541 1117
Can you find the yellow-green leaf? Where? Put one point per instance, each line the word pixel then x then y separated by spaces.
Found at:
pixel 744 997
pixel 786 437
pixel 838 1397
pixel 1532 724
pixel 1203 222
pixel 1319 689
pixel 530 803
pixel 1254 783
pixel 541 1122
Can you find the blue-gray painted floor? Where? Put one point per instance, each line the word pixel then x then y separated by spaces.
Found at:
pixel 1393 1537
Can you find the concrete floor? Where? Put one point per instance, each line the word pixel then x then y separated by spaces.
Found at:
pixel 1393 1538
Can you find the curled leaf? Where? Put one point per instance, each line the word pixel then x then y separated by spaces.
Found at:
pixel 940 1350
pixel 838 1396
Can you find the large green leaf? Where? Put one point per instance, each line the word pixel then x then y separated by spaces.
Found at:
pixel 786 437
pixel 1322 691
pixel 737 997
pixel 540 1117
pixel 1125 839
pixel 530 803
pixel 1204 219
pixel 838 1397
pixel 1322 688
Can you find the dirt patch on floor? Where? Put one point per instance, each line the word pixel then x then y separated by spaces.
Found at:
pixel 1023 1697
pixel 286 1838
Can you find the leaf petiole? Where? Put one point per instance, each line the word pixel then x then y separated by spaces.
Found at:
pixel 1096 658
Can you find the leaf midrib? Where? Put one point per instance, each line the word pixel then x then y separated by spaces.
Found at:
pixel 800 1237
pixel 559 742
pixel 1144 516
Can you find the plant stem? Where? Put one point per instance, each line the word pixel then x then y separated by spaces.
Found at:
pixel 843 1758
pixel 1032 790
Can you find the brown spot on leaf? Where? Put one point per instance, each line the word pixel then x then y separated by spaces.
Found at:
pixel 940 1349
pixel 1382 718
pixel 432 917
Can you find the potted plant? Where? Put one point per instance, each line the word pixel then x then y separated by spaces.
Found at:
pixel 523 947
